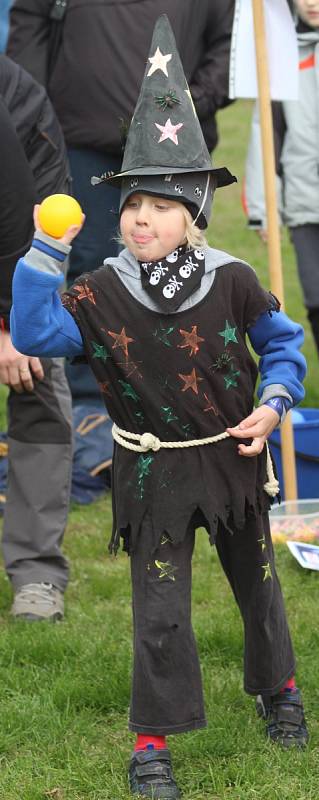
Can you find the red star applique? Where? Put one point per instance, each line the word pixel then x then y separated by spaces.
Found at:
pixel 104 388
pixel 190 381
pixel 169 131
pixel 210 406
pixel 129 367
pixel 121 340
pixel 69 302
pixel 191 340
pixel 85 293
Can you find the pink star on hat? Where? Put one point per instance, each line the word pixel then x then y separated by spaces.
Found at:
pixel 169 131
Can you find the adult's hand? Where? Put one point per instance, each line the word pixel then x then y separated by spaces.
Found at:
pixel 262 234
pixel 16 370
pixel 257 426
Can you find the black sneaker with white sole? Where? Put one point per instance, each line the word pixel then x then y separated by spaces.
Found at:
pixel 150 775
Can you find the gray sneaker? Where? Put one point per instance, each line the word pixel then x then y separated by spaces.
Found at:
pixel 38 601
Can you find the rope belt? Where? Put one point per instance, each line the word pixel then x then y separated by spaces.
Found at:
pixel 147 441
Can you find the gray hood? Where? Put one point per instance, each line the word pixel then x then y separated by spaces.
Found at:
pixel 126 263
pixel 129 272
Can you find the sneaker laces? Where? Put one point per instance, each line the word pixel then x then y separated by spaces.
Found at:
pixel 44 592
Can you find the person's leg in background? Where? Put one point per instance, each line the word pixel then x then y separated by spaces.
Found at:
pixel 4 23
pixel 305 239
pixel 39 479
pixel 95 242
pixel 40 421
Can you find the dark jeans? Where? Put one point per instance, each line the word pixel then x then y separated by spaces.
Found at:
pixel 305 239
pixel 167 691
pixel 95 242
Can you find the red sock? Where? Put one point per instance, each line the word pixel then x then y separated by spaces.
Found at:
pixel 289 686
pixel 143 740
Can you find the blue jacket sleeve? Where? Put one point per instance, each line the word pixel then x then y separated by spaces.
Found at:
pixel 39 324
pixel 277 340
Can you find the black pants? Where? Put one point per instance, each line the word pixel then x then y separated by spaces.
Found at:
pixel 305 239
pixel 167 688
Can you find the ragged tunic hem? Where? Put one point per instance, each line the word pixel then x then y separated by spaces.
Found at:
pixel 128 530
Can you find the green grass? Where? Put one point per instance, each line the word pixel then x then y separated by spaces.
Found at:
pixel 65 688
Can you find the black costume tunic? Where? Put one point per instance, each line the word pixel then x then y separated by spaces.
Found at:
pixel 180 376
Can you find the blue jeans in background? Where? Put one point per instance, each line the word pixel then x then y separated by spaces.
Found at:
pixel 4 23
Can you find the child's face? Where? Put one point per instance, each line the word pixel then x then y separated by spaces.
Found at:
pixel 308 11
pixel 152 227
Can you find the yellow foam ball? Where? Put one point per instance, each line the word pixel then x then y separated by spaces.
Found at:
pixel 57 212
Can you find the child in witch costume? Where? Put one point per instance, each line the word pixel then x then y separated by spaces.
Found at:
pixel 164 328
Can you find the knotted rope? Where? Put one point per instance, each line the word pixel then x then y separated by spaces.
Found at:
pixel 147 441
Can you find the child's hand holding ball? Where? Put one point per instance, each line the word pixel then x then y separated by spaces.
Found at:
pixel 60 216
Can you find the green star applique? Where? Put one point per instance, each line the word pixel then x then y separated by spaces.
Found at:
pixel 267 571
pixel 143 470
pixel 163 333
pixel 230 378
pixel 187 431
pixel 165 479
pixel 167 414
pixel 166 570
pixel 228 334
pixel 139 417
pixel 143 466
pixel 100 351
pixel 128 391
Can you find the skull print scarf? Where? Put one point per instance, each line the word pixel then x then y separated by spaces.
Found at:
pixel 172 279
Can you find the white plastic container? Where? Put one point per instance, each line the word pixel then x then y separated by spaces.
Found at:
pixel 295 520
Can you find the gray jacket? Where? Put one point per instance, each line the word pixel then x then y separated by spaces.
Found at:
pixel 296 132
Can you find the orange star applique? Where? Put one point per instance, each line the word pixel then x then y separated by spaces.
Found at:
pixel 210 405
pixel 85 293
pixel 190 381
pixel 104 388
pixel 191 340
pixel 130 368
pixel 69 302
pixel 121 340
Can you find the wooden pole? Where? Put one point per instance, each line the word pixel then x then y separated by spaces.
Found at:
pixel 274 245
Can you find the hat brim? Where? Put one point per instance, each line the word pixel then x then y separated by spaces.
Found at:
pixel 222 175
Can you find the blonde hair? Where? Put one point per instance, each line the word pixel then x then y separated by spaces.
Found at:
pixel 195 238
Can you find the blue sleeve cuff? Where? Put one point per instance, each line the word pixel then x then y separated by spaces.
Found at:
pixel 50 251
pixel 279 404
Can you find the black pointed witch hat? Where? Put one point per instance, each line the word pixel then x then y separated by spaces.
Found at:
pixel 165 136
